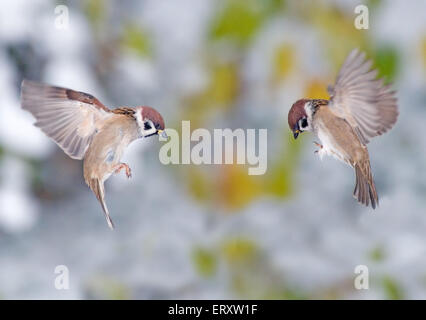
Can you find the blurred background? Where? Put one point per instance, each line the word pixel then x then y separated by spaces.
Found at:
pixel 187 231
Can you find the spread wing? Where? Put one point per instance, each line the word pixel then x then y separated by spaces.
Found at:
pixel 364 101
pixel 69 117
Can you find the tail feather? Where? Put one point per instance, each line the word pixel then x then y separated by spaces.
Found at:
pixel 98 189
pixel 365 190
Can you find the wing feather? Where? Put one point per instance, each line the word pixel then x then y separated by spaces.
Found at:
pixel 366 103
pixel 71 118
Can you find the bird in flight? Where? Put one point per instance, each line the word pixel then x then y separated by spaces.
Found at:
pixel 86 129
pixel 360 108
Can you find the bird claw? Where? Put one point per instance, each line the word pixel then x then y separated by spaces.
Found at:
pixel 126 167
pixel 318 145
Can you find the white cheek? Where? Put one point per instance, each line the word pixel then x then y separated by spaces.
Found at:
pixel 308 110
pixel 139 122
pixel 309 114
pixel 309 127
pixel 149 131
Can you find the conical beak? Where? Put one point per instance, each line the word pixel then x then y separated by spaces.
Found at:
pixel 163 134
pixel 296 133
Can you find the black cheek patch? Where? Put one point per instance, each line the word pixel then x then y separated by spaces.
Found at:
pixel 146 126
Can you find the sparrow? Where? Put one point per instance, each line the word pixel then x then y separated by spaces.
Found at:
pixel 360 107
pixel 85 129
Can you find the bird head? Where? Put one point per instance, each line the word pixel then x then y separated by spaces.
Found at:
pixel 298 117
pixel 152 122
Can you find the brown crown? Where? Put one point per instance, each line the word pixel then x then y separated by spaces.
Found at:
pixel 296 112
pixel 153 115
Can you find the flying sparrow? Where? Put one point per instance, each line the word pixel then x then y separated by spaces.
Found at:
pixel 86 129
pixel 360 108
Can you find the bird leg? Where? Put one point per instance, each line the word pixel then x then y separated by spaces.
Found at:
pixel 318 145
pixel 121 166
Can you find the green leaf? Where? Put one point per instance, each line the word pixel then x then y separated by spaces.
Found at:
pixel 239 250
pixel 373 4
pixel 377 254
pixel 387 62
pixel 280 176
pixel 137 40
pixel 239 21
pixel 96 11
pixel 105 287
pixel 205 262
pixel 283 61
pixel 199 183
pixel 392 290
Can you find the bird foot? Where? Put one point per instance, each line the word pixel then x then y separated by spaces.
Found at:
pixel 318 145
pixel 126 167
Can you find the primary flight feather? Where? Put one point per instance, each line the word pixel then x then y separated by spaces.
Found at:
pixel 87 130
pixel 360 108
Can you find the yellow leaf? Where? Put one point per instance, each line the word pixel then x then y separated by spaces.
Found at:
pixel 423 51
pixel 239 250
pixel 283 62
pixel 236 188
pixel 316 89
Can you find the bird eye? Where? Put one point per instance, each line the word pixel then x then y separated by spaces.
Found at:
pixel 304 123
pixel 147 126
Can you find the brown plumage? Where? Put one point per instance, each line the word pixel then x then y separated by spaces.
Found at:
pixel 365 189
pixel 97 186
pixel 343 143
pixel 297 111
pixel 359 109
pixel 82 97
pixel 86 129
pixel 104 153
pixel 150 113
pixel 368 105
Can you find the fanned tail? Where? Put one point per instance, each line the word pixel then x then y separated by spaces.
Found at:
pixel 365 190
pixel 98 189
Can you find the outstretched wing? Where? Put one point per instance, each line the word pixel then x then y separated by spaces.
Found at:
pixel 365 102
pixel 70 118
